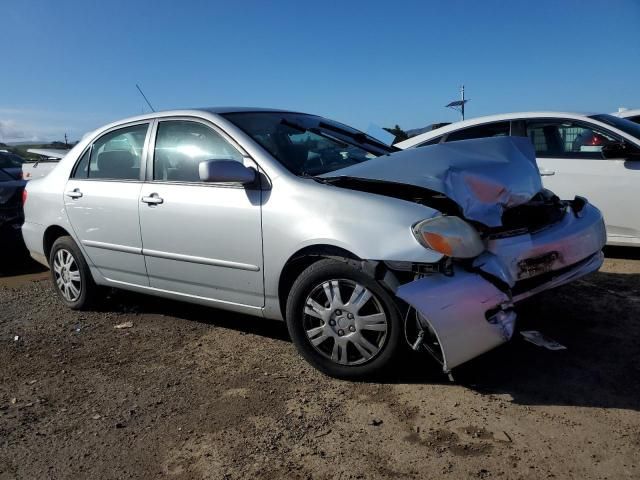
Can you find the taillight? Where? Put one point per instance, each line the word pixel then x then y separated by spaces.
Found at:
pixel 24 196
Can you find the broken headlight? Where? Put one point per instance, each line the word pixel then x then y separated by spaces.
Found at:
pixel 450 236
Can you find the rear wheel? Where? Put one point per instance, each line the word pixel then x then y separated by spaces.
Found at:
pixel 71 275
pixel 342 321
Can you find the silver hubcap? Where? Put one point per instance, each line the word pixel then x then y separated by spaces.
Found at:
pixel 348 333
pixel 67 275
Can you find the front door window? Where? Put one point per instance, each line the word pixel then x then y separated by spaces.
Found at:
pixel 180 147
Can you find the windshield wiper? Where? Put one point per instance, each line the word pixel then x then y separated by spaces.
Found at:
pixel 313 177
pixel 358 136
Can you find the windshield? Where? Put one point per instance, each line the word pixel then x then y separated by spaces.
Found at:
pixel 623 124
pixel 308 145
pixel 10 160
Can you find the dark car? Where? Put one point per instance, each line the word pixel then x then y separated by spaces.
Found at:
pixel 11 217
pixel 11 164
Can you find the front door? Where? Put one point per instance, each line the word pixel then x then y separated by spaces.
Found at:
pixel 200 239
pixel 570 160
pixel 102 198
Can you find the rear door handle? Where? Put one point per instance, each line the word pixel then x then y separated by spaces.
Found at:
pixel 547 173
pixel 75 193
pixel 153 199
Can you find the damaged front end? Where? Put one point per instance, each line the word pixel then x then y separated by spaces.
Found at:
pixel 503 238
pixel 459 316
pixel 462 315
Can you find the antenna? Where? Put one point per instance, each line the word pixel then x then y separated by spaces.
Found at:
pixel 459 104
pixel 145 98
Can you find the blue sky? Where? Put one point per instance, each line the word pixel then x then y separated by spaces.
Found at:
pixel 72 66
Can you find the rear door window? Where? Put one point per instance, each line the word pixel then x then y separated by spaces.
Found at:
pixel 117 155
pixel 497 129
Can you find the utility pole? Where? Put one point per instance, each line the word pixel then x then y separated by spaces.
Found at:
pixel 66 143
pixel 459 104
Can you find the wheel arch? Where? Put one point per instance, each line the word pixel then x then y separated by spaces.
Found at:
pixel 51 234
pixel 300 261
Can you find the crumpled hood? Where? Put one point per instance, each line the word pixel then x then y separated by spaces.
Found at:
pixel 483 176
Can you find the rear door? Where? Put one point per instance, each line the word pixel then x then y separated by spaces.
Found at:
pixel 571 163
pixel 200 239
pixel 101 199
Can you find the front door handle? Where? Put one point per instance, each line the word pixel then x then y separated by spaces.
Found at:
pixel 153 199
pixel 75 193
pixel 547 173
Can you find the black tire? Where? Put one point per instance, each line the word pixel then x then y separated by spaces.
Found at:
pixel 346 273
pixel 87 288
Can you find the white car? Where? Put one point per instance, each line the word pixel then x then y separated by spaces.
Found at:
pixel 41 168
pixel 595 156
pixel 633 115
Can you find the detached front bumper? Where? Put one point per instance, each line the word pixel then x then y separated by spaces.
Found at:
pixel 471 311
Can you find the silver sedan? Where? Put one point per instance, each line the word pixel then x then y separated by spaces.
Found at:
pixel 360 248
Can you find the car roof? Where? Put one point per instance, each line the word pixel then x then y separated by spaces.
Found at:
pixel 214 110
pixel 627 113
pixel 198 111
pixel 423 137
pixel 245 110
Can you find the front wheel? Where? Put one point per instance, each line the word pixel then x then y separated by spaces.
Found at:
pixel 71 275
pixel 342 321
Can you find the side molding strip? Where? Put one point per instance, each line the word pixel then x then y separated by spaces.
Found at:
pixel 172 256
pixel 112 246
pixel 203 260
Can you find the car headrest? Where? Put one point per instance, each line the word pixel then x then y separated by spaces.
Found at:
pixel 115 164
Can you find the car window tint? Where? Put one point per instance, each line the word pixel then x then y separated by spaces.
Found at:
pixel 567 139
pixel 180 147
pixel 114 156
pixel 635 119
pixel 498 129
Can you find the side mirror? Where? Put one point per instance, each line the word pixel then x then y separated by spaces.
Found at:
pixel 620 150
pixel 225 171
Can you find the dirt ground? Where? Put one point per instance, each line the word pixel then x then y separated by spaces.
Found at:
pixel 190 392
